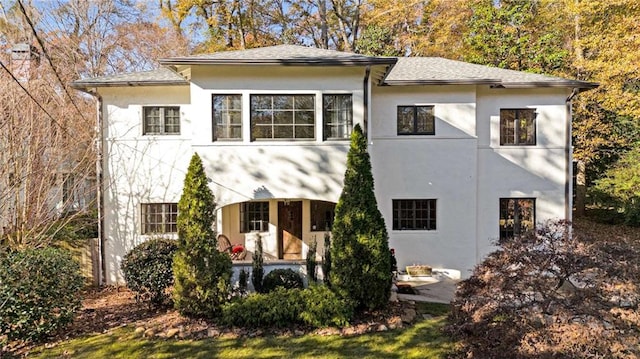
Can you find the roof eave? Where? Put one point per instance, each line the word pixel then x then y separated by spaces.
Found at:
pixel 582 85
pixel 80 85
pixel 441 82
pixel 280 62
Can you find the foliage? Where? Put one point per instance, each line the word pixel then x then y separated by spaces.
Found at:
pixel 243 279
pixel 551 294
pixel 202 274
pixel 257 273
pixel 39 292
pixel 326 261
pixel 361 265
pixel 148 269
pixel 285 278
pixel 316 306
pixel 312 273
pixel 322 307
pixel 623 185
pixel 377 41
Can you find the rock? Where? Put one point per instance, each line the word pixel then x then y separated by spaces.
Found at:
pixel 298 333
pixel 213 332
pixel 328 331
pixel 409 315
pixel 382 328
pixel 149 333
pixel 172 333
pixel 427 316
pixel 139 331
pixel 349 331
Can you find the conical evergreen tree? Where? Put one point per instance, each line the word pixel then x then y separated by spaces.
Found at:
pixel 202 274
pixel 360 260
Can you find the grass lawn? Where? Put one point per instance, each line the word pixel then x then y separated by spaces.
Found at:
pixel 423 340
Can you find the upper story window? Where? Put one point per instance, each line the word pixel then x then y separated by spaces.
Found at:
pixel 337 116
pixel 414 214
pixel 159 218
pixel 416 120
pixel 227 117
pixel 161 120
pixel 518 126
pixel 290 117
pixel 517 216
pixel 254 217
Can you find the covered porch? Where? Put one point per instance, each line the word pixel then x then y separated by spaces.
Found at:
pixel 286 227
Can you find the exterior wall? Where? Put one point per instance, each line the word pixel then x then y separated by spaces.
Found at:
pixel 538 171
pixel 462 166
pixel 440 166
pixel 138 169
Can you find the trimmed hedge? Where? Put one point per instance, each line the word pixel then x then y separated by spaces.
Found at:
pixel 316 306
pixel 148 269
pixel 39 292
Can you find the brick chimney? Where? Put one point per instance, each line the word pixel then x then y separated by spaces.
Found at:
pixel 24 58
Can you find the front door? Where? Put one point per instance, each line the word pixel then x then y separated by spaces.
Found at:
pixel 290 230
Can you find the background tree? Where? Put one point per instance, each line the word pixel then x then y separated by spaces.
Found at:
pixel 202 274
pixel 360 261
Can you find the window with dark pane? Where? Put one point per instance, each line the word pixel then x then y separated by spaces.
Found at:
pixel 517 216
pixel 254 217
pixel 161 120
pixel 322 214
pixel 414 214
pixel 159 218
pixel 282 117
pixel 337 116
pixel 517 126
pixel 416 120
pixel 227 117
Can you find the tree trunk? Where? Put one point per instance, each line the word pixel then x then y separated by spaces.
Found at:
pixel 581 189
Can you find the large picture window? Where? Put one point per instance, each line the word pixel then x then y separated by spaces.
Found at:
pixel 254 217
pixel 517 216
pixel 337 116
pixel 227 117
pixel 289 117
pixel 159 218
pixel 414 214
pixel 322 214
pixel 416 120
pixel 161 120
pixel 517 126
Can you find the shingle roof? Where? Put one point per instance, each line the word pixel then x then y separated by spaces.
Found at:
pixel 436 70
pixel 161 76
pixel 404 70
pixel 280 55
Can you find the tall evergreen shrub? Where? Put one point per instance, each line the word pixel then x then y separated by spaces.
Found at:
pixel 312 275
pixel 360 261
pixel 257 270
pixel 326 260
pixel 202 274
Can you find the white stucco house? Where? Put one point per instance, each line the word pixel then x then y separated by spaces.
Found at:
pixel 462 154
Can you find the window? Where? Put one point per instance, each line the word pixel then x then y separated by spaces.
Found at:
pixel 517 126
pixel 322 214
pixel 416 120
pixel 414 214
pixel 282 117
pixel 517 216
pixel 161 120
pixel 159 218
pixel 254 217
pixel 338 116
pixel 227 117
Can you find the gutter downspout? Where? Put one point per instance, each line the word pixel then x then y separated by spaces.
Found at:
pixel 365 102
pixel 102 277
pixel 568 184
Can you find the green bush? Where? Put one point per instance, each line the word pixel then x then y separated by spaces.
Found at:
pixel 147 268
pixel 322 307
pixel 39 292
pixel 279 308
pixel 316 306
pixel 312 273
pixel 257 273
pixel 285 278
